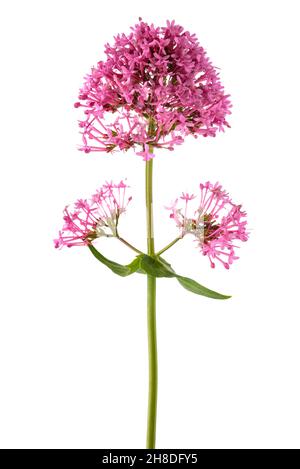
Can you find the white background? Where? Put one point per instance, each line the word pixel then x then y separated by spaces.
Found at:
pixel 73 335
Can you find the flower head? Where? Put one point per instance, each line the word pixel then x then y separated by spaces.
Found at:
pixel 155 87
pixel 216 223
pixel 87 220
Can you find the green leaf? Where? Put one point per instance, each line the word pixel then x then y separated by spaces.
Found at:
pixel 158 267
pixel 195 287
pixel 119 269
pixel 153 266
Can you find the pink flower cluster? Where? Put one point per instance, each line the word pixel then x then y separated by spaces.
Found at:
pixel 216 223
pixel 91 219
pixel 155 87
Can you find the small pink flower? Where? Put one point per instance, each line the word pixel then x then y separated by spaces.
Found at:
pixel 155 87
pixel 91 219
pixel 216 223
pixel 146 153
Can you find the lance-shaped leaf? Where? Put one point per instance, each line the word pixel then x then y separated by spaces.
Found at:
pixel 155 267
pixel 119 269
pixel 158 267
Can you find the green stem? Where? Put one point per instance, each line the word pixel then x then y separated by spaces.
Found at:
pixel 149 211
pixel 128 244
pixel 151 315
pixel 168 246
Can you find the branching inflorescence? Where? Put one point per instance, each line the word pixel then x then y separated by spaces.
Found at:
pixel 94 218
pixel 216 222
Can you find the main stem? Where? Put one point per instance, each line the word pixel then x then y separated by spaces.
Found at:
pixel 151 315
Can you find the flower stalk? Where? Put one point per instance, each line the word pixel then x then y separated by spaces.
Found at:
pixel 151 313
pixel 129 245
pixel 168 246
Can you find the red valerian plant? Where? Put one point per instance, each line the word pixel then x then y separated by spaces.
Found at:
pixel 156 87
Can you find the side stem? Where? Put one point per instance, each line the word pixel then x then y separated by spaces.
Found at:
pixel 151 315
pixel 168 246
pixel 128 244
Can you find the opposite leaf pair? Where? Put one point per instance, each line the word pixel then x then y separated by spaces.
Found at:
pixel 156 267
